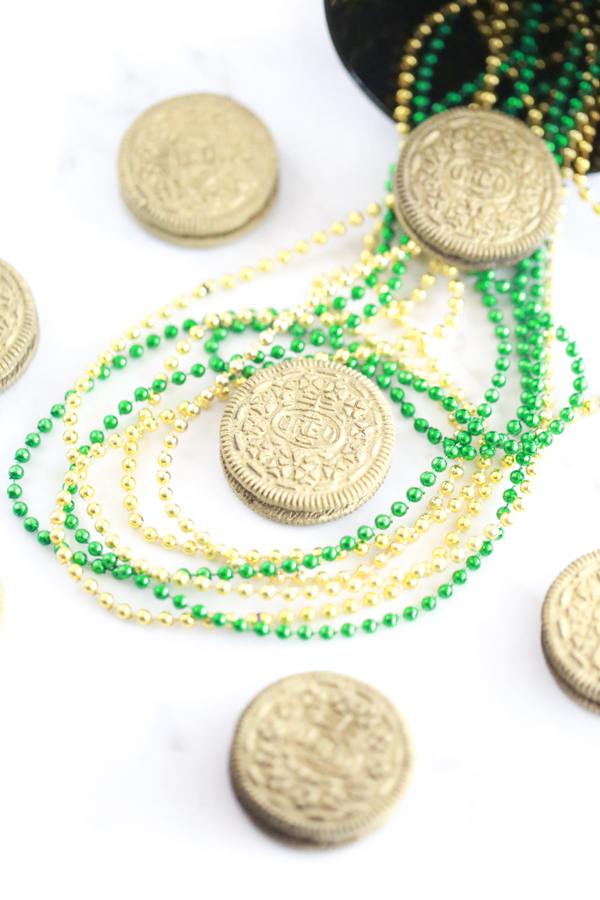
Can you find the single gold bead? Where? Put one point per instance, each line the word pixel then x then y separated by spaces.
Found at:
pixel 187 620
pixel 106 601
pixel 142 616
pixel 307 614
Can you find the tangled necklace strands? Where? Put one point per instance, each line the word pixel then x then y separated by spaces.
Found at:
pixel 301 634
pixel 262 623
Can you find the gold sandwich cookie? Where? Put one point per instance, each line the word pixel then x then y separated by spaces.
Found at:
pixel 320 759
pixel 476 188
pixel 19 328
pixel 198 170
pixel 306 441
pixel 571 630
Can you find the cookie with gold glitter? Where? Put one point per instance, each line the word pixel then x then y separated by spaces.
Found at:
pixel 321 759
pixel 198 170
pixel 19 329
pixel 306 441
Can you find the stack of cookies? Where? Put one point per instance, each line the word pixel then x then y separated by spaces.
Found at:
pixel 198 170
pixel 19 328
pixel 306 441
pixel 571 631
pixel 320 759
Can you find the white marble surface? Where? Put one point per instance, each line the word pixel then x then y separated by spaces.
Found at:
pixel 114 739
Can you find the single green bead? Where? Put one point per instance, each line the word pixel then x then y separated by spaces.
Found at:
pixel 305 632
pixel 199 611
pixel 14 491
pixel 110 422
pixel 188 324
pixel 348 629
pixel 219 619
pixel 297 346
pixel 407 410
pixel 171 332
pixel 225 573
pixel 45 425
pixel 439 464
pixel 161 591
pixel 22 455
pixel 240 624
pixel 94 548
pixel 16 472
pixel 125 407
pixel 44 538
pixel 33 439
pixel 119 362
pixel 410 613
pixel 248 371
pixel 110 560
pixel 369 626
pixel 397 395
pixel 329 554
pixel 79 558
pixel 487 548
pixel 347 543
pixel 136 350
pixel 277 352
pixel 445 591
pixel 20 509
pixel 246 571
pixel 327 632
pixel 288 565
pixel 399 509
pixel 421 425
pixel 428 603
pixel 268 569
pixel 414 494
pixel 159 385
pixel 198 370
pixel 96 437
pixel 98 567
pixel 141 394
pixel 459 577
pixel 283 632
pixel 382 522
pixel 473 563
pixel 71 522
pixel 427 479
pixel 179 601
pixel 58 411
pixel 122 572
pixel 357 293
pixel 31 524
pixel 141 581
pixel 365 533
pixel 434 435
pixel 310 561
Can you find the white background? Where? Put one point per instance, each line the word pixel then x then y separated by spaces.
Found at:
pixel 114 738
